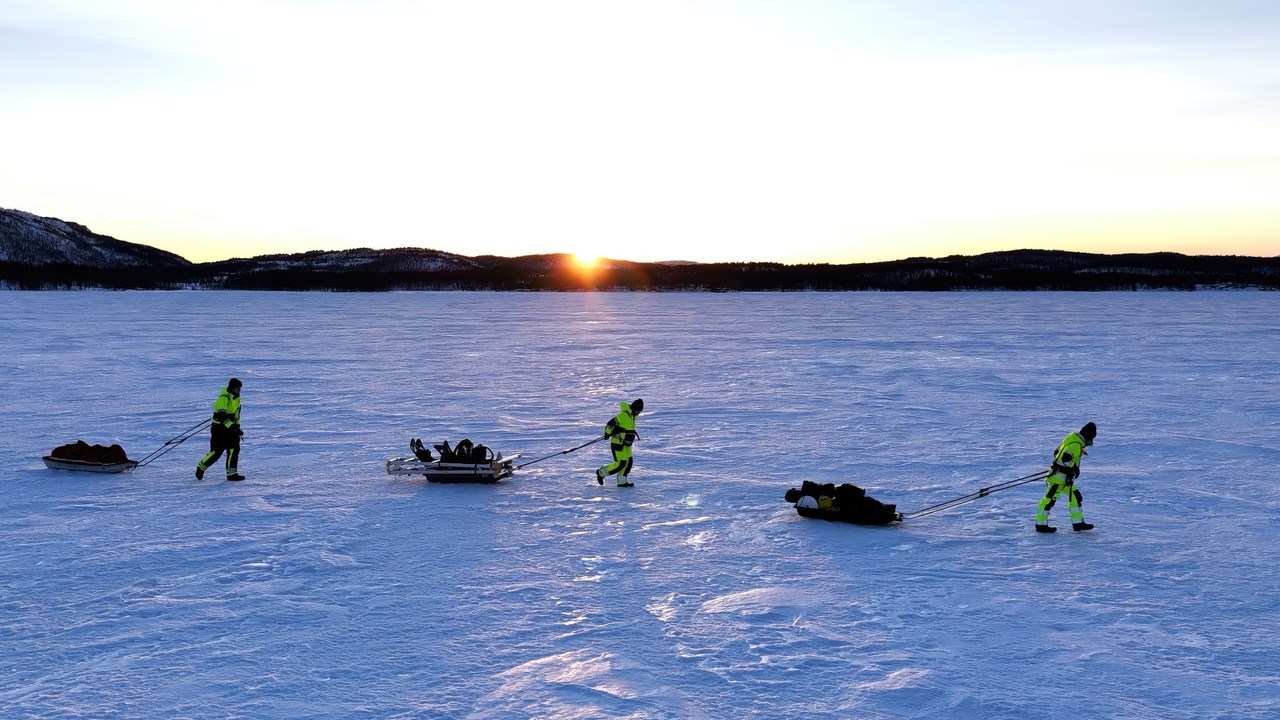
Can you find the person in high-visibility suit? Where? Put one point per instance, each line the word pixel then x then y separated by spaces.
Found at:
pixel 1062 479
pixel 225 432
pixel 621 431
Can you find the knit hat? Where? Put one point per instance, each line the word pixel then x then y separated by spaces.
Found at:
pixel 637 406
pixel 233 383
pixel 1089 431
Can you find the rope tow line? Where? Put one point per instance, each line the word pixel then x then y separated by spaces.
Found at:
pixel 563 452
pixel 980 493
pixel 175 441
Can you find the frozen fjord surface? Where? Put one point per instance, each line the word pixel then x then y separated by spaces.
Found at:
pixel 323 588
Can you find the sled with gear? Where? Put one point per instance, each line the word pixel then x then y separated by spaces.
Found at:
pixel 465 462
pixel 841 503
pixel 83 457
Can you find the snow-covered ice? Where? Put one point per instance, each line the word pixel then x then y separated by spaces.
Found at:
pixel 323 588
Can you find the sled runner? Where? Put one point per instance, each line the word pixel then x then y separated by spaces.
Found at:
pixel 843 503
pixel 83 457
pixel 465 463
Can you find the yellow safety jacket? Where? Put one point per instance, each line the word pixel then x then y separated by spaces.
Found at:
pixel 621 429
pixel 1066 459
pixel 226 410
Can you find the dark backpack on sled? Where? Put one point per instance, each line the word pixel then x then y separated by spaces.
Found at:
pixel 469 453
pixel 419 451
pixel 464 452
pixel 84 452
pixel 481 454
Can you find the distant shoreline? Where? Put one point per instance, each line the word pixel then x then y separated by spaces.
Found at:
pixel 417 269
pixel 39 253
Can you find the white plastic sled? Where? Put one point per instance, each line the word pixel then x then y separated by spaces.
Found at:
pixel 88 466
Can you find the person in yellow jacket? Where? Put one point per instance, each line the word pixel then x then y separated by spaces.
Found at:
pixel 1062 479
pixel 225 432
pixel 621 431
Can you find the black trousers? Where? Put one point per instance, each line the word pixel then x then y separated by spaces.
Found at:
pixel 222 440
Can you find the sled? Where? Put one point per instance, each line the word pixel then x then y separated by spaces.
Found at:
pixel 439 471
pixel 844 503
pixel 88 466
pixel 839 515
pixel 83 457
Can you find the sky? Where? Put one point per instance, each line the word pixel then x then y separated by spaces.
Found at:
pixel 791 131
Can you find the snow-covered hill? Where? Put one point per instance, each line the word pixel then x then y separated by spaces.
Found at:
pixel 360 259
pixel 33 240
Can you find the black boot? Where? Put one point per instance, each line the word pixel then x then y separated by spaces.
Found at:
pixel 1081 526
pixel 199 473
pixel 1046 528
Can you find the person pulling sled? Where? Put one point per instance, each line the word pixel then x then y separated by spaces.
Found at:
pixel 225 432
pixel 621 431
pixel 1062 478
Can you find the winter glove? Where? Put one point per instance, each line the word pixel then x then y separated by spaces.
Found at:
pixel 241 432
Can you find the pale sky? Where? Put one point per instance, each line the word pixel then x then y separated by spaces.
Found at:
pixel 782 130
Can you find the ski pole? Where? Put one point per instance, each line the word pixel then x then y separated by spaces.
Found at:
pixel 175 441
pixel 563 452
pixel 982 492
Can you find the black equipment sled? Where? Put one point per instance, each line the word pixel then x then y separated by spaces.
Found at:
pixel 841 503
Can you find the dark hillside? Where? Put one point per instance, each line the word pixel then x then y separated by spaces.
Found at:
pixel 39 253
